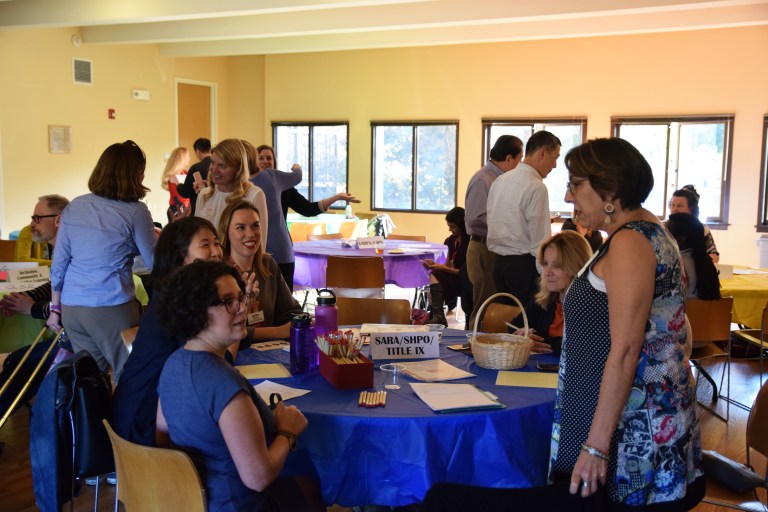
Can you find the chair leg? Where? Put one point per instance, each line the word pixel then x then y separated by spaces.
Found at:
pixel 702 372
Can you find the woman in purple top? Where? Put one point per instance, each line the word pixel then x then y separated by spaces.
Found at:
pixel 100 233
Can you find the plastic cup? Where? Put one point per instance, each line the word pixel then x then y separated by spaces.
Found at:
pixel 437 328
pixel 391 374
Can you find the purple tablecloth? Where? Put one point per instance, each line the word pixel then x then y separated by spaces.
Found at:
pixel 404 270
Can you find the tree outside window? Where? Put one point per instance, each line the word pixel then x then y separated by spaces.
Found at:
pixel 571 132
pixel 414 166
pixel 684 150
pixel 321 149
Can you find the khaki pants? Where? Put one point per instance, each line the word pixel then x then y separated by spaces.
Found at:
pixel 480 272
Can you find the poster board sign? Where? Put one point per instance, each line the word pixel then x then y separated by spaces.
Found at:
pixel 405 345
pixel 371 242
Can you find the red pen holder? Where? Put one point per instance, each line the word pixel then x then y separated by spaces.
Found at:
pixel 347 376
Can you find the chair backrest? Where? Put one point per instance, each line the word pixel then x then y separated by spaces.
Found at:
pixel 414 238
pixel 351 272
pixel 327 236
pixel 150 478
pixel 710 319
pixel 7 250
pixel 348 227
pixel 354 311
pixel 757 423
pixel 497 315
pixel 300 230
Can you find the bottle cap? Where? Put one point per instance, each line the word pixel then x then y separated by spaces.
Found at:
pixel 326 301
pixel 300 319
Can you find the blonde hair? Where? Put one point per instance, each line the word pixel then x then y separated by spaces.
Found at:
pixel 250 150
pixel 259 265
pixel 234 154
pixel 573 251
pixel 174 165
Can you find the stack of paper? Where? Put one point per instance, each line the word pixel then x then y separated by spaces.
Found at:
pixel 434 370
pixel 454 397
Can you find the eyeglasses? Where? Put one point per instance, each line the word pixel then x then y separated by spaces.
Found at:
pixel 37 218
pixel 233 304
pixel 571 184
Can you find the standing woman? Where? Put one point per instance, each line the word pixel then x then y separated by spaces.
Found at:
pixel 274 183
pixel 176 166
pixel 134 402
pixel 100 233
pixel 269 314
pixel 228 183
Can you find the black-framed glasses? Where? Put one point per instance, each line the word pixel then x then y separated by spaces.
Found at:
pixel 37 218
pixel 571 184
pixel 233 304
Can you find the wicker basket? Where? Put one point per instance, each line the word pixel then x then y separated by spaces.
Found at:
pixel 501 351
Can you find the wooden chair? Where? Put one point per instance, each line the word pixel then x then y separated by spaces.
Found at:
pixel 413 238
pixel 497 315
pixel 301 230
pixel 327 236
pixel 348 228
pixel 355 277
pixel 354 311
pixel 7 250
pixel 758 338
pixel 711 321
pixel 757 426
pixel 150 478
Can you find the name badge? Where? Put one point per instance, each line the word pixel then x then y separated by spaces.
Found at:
pixel 256 317
pixel 405 345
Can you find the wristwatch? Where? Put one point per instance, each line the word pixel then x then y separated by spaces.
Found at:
pixel 290 436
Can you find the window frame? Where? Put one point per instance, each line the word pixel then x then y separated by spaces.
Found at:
pixel 309 171
pixel 725 176
pixel 414 177
pixel 490 122
pixel 762 211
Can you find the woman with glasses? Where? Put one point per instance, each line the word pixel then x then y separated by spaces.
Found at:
pixel 134 403
pixel 210 411
pixel 100 234
pixel 269 314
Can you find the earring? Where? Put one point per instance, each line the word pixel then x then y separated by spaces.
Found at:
pixel 609 211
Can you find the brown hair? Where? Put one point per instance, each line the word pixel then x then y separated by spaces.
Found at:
pixel 55 202
pixel 253 157
pixel 573 251
pixel 259 265
pixel 119 172
pixel 234 154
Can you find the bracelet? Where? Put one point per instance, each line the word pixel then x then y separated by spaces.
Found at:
pixel 594 452
pixel 56 307
pixel 290 436
pixel 54 311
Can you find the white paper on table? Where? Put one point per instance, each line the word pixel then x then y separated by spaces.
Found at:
pixel 749 271
pixel 267 387
pixel 454 397
pixel 435 370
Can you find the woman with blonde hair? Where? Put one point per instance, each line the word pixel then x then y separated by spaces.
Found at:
pixel 175 166
pixel 228 183
pixel 560 257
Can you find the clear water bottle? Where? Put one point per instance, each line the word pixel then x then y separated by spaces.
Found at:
pixel 326 312
pixel 348 211
pixel 304 352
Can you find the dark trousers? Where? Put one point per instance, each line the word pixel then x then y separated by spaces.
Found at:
pixel 286 269
pixel 516 275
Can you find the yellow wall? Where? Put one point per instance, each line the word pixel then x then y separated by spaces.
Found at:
pixel 37 90
pixel 698 72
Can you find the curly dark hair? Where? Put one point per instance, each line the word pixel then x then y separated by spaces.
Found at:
pixel 690 195
pixel 187 295
pixel 456 216
pixel 173 244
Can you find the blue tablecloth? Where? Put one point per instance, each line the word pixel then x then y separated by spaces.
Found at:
pixel 392 455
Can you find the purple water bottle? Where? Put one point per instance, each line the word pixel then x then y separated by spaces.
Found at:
pixel 304 352
pixel 326 312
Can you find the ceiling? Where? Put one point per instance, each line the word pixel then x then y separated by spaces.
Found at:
pixel 187 28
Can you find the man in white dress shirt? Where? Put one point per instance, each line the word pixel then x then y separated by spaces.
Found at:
pixel 518 217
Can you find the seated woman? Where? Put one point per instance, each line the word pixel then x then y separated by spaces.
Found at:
pixel 207 409
pixel 686 200
pixel 269 316
pixel 134 403
pixel 703 282
pixel 561 257
pixel 445 283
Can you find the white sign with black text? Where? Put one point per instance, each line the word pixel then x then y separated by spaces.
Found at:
pixel 371 242
pixel 405 345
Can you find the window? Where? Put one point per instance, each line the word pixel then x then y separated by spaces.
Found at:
pixel 762 221
pixel 571 132
pixel 320 149
pixel 414 166
pixel 684 150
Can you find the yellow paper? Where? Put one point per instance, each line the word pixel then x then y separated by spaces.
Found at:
pixel 527 379
pixel 263 371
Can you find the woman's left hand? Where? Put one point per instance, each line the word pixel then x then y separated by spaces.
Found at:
pixel 588 471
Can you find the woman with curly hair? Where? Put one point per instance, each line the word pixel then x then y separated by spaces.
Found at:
pixel 210 411
pixel 228 183
pixel 100 233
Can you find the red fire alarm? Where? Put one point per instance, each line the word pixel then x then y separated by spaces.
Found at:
pixel 111 113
